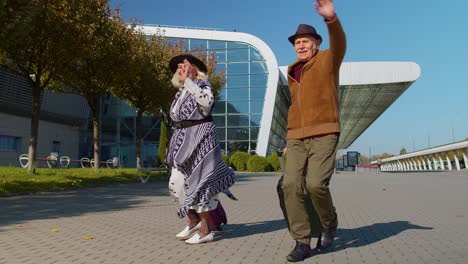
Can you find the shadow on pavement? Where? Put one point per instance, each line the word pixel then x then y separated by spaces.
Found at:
pixel 69 203
pixel 366 235
pixel 345 238
pixel 231 231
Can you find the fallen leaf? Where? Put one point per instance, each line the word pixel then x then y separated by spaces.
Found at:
pixel 19 226
pixel 88 238
pixel 55 230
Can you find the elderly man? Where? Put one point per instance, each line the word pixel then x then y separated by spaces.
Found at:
pixel 313 130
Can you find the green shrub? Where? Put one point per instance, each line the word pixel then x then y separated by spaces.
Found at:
pixel 162 144
pixel 258 163
pixel 226 159
pixel 274 162
pixel 238 160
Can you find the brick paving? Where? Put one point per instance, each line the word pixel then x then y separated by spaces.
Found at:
pixel 383 218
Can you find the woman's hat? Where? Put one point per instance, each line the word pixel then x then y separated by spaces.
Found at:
pixel 192 59
pixel 304 29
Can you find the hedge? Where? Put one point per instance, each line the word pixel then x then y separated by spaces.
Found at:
pixel 274 162
pixel 226 159
pixel 238 160
pixel 258 163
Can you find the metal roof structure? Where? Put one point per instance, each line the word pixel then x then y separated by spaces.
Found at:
pixel 366 90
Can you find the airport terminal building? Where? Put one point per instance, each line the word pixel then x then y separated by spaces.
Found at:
pixel 250 115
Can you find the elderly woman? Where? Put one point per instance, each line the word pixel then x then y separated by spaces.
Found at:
pixel 198 172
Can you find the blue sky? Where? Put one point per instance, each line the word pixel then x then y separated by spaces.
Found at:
pixel 434 34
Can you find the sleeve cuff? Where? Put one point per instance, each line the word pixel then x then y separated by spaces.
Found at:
pixel 190 85
pixel 333 19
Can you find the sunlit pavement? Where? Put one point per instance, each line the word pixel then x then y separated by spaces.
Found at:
pixel 383 218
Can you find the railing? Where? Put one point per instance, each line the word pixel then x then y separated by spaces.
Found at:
pixel 145 178
pixel 64 161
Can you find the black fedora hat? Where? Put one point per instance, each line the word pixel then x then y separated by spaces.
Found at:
pixel 304 29
pixel 192 59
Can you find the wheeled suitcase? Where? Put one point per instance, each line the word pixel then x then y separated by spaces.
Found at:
pixel 217 217
pixel 315 226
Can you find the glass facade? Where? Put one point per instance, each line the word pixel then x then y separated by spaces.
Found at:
pixel 239 108
pixel 118 135
pixel 279 123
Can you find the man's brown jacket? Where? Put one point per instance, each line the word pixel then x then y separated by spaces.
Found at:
pixel 315 108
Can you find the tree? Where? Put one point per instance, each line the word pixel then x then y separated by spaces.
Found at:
pixel 402 151
pixel 38 40
pixel 100 60
pixel 15 19
pixel 146 71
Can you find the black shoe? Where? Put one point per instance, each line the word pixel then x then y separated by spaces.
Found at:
pixel 300 252
pixel 326 239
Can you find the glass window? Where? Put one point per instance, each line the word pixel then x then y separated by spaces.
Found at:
pixel 238 55
pixel 220 107
pixel 259 80
pixel 9 143
pixel 258 67
pixel 216 44
pixel 255 55
pixel 221 132
pixel 254 133
pixel 255 120
pixel 220 67
pixel 239 133
pixel 237 45
pixel 220 56
pixel 237 81
pixel 238 107
pixel 238 68
pixel 219 120
pixel 198 44
pixel 237 94
pixel 257 93
pixel 237 120
pixel 256 106
pixel 222 94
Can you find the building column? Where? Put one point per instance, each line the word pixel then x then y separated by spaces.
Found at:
pixel 400 166
pixel 415 166
pixel 465 159
pixel 441 164
pixel 457 163
pixel 429 163
pixel 436 166
pixel 419 165
pixel 424 164
pixel 449 163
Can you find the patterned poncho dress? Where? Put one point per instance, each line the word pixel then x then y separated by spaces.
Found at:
pixel 195 150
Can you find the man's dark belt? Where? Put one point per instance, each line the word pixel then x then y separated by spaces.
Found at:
pixel 189 123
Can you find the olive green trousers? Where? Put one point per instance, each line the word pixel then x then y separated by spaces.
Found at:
pixel 310 163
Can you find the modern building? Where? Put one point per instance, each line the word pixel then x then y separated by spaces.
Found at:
pixel 250 115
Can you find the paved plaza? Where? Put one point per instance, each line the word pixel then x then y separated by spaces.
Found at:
pixel 383 218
